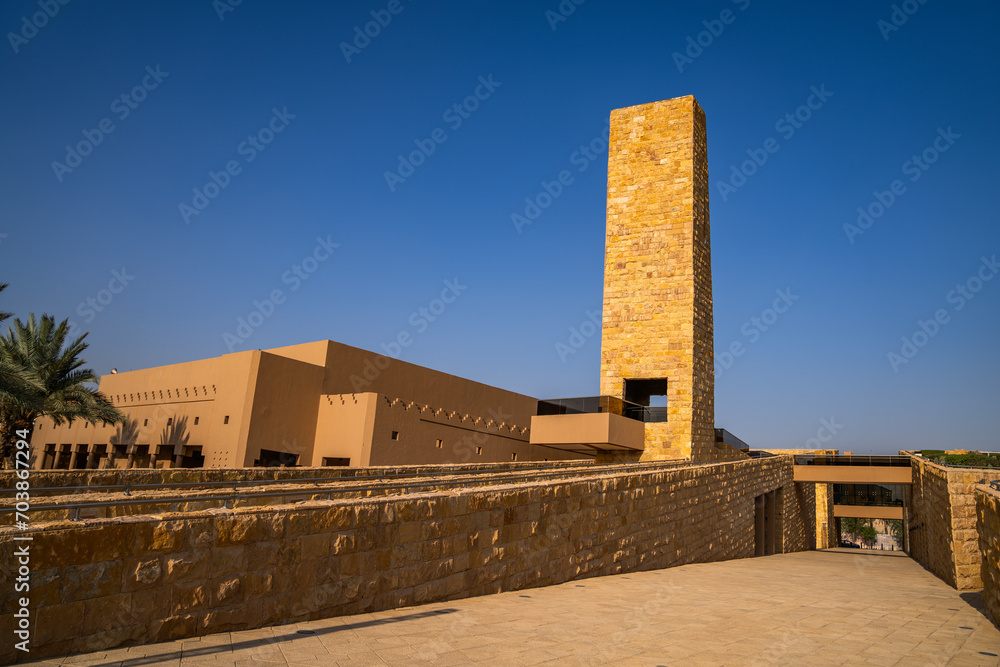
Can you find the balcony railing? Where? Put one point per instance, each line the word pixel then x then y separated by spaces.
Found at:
pixel 821 460
pixel 598 404
pixel 884 495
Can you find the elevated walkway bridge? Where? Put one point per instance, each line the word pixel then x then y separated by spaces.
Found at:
pixel 868 487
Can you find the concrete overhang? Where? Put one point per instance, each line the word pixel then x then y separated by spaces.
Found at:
pixel 590 431
pixel 867 512
pixel 832 474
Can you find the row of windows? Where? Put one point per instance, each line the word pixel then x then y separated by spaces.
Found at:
pixel 439 443
pixel 158 393
pixel 145 422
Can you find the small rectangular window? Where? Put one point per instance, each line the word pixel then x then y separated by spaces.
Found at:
pixel 479 450
pixel 196 420
pixel 170 421
pixel 395 435
pixel 145 422
pixel 439 443
pixel 513 457
pixel 225 420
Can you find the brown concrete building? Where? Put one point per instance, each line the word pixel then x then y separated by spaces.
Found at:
pixel 314 404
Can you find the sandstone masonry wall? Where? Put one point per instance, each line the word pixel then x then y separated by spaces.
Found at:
pixel 988 522
pixel 107 582
pixel 798 517
pixel 942 523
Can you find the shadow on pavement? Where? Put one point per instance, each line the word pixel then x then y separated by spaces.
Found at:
pixel 865 552
pixel 264 641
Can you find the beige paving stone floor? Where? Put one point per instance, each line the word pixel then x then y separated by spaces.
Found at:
pixel 835 607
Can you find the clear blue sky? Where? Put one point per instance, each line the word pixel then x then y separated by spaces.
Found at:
pixel 213 83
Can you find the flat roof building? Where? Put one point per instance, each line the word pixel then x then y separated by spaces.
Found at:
pixel 315 404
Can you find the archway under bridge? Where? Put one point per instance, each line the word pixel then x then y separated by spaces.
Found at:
pixel 864 487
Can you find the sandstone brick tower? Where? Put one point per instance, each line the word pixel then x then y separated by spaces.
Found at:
pixel 657 341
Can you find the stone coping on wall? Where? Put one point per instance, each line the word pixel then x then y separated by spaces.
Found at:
pixel 111 476
pixel 501 488
pixel 270 493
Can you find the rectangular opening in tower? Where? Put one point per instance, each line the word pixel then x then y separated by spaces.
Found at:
pixel 650 393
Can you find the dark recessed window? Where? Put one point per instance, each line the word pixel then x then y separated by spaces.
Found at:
pixel 513 457
pixel 395 435
pixel 145 422
pixel 170 420
pixel 439 443
pixel 651 394
pixel 479 450
pixel 225 420
pixel 196 420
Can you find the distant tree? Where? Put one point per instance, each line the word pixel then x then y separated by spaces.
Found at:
pixel 852 527
pixel 40 349
pixel 896 530
pixel 868 534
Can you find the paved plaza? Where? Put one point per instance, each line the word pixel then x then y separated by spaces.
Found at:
pixel 833 607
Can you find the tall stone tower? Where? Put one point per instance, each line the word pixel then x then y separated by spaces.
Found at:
pixel 657 341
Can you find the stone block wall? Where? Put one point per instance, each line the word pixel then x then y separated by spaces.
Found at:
pixel 798 517
pixel 107 582
pixel 988 523
pixel 942 523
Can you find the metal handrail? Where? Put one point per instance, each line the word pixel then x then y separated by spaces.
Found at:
pixel 593 470
pixel 995 484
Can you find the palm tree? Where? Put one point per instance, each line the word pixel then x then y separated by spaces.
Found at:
pixel 17 383
pixel 40 348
